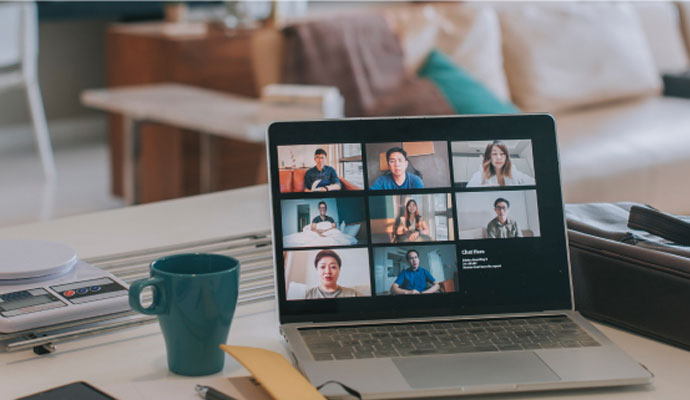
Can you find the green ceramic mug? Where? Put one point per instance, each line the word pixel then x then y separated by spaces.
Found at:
pixel 194 296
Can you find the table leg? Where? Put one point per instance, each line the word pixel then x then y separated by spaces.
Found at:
pixel 131 149
pixel 205 163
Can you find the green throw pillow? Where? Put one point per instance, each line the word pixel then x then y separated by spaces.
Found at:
pixel 464 93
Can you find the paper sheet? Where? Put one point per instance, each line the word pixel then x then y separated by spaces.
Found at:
pixel 275 373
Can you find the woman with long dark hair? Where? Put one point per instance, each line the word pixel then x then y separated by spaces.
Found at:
pixel 497 169
pixel 410 226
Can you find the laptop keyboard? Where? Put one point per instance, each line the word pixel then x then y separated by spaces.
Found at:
pixel 444 337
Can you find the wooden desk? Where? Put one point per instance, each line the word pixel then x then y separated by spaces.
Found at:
pixel 239 62
pixel 210 113
pixel 111 361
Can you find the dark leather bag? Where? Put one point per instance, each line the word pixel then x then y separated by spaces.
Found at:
pixel 631 268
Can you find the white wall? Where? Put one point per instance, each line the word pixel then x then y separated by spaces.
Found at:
pixel 302 156
pixel 532 212
pixel 71 58
pixel 526 154
pixel 383 282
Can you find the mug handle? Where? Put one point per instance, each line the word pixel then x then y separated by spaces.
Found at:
pixel 158 304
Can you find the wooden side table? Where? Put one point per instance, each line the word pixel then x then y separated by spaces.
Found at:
pixel 239 62
pixel 211 116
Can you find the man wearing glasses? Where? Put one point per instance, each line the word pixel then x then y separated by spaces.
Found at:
pixel 414 280
pixel 502 226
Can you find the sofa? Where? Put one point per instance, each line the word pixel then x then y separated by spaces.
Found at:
pixel 292 180
pixel 597 67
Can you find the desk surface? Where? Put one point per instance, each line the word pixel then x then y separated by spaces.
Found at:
pixel 114 360
pixel 198 109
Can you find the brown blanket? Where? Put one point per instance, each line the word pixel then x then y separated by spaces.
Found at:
pixel 361 56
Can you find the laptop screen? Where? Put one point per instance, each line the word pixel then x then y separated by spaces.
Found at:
pixel 414 217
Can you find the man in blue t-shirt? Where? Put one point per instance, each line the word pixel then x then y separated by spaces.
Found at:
pixel 397 177
pixel 414 280
pixel 321 178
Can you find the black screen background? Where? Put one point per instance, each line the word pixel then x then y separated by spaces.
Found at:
pixel 535 274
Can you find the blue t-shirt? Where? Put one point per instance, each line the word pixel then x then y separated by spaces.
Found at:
pixel 386 182
pixel 417 280
pixel 327 175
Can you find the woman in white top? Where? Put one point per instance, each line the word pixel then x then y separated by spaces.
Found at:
pixel 497 170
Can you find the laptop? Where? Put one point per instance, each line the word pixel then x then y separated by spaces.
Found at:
pixel 424 257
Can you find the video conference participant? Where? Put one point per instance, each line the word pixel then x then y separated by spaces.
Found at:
pixel 410 226
pixel 327 264
pixel 398 177
pixel 497 169
pixel 414 280
pixel 322 217
pixel 502 226
pixel 321 177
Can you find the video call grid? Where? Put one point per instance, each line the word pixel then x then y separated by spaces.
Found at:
pixel 452 185
pixel 367 193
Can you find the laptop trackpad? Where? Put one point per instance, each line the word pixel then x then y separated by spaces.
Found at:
pixel 474 369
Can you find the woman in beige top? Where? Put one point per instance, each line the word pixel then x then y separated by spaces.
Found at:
pixel 327 264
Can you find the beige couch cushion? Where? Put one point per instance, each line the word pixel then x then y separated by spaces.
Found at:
pixel 566 55
pixel 662 27
pixel 636 150
pixel 469 36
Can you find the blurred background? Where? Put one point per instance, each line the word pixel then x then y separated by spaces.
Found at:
pixel 614 75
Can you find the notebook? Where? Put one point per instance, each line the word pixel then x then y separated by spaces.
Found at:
pixel 422 257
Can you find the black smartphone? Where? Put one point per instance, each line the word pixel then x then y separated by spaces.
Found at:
pixel 70 391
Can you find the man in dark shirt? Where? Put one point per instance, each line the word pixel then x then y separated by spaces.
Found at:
pixel 321 178
pixel 502 226
pixel 414 280
pixel 322 217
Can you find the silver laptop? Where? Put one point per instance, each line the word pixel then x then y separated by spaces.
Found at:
pixel 422 257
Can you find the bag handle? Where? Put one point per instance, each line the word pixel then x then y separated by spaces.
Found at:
pixel 658 223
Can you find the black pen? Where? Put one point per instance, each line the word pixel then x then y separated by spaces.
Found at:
pixel 209 393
